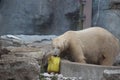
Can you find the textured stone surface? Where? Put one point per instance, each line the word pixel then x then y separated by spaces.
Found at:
pixel 99 5
pixel 22 62
pixel 112 74
pixel 19 40
pixel 106 16
pixel 110 19
pixel 38 16
pixel 16 16
pixel 18 68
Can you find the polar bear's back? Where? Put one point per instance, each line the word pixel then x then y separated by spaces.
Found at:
pixel 95 33
pixel 97 36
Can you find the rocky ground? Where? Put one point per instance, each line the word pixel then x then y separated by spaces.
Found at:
pixel 21 58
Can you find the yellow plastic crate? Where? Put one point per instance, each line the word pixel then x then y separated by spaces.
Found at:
pixel 53 64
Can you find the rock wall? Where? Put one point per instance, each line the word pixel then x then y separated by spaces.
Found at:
pixel 54 16
pixel 37 16
pixel 106 13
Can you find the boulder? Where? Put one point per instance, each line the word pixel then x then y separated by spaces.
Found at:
pixel 18 68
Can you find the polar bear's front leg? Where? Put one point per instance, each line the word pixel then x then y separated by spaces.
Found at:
pixel 80 59
pixel 77 53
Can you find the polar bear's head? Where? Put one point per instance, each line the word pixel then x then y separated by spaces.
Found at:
pixel 59 44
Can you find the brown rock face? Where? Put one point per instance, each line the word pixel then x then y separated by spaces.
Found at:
pixel 18 68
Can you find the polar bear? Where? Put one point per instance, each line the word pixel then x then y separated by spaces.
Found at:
pixel 94 45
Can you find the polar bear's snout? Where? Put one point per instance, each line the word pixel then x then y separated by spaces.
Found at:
pixel 56 51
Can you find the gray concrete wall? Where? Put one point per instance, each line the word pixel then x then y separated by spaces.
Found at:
pixel 84 71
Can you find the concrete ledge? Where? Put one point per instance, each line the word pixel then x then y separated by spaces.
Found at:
pixel 84 71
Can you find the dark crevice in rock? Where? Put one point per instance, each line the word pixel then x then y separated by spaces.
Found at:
pixel 11 79
pixel 73 18
pixel 43 24
pixel 4 51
